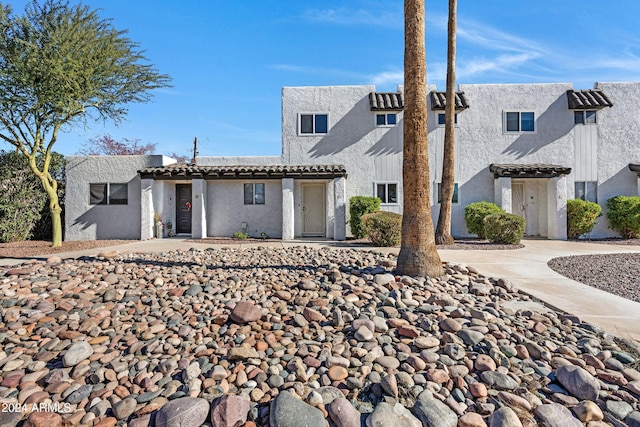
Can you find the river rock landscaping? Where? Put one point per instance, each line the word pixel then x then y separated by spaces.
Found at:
pixel 293 337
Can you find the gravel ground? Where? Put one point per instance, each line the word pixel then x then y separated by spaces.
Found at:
pixel 614 273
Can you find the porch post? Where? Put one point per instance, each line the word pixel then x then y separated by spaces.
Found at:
pixel 287 209
pixel 638 184
pixel 502 193
pixel 557 207
pixel 198 208
pixel 146 209
pixel 339 206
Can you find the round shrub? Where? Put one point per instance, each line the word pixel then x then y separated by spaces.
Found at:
pixel 358 206
pixel 581 217
pixel 475 213
pixel 504 228
pixel 624 215
pixel 383 228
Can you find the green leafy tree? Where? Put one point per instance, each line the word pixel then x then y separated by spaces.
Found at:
pixel 60 65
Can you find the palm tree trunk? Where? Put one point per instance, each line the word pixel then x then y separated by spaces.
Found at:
pixel 443 230
pixel 418 255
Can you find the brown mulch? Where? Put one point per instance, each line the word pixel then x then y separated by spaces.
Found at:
pixel 39 247
pixel 230 240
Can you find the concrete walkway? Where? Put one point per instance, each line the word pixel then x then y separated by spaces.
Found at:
pixel 526 268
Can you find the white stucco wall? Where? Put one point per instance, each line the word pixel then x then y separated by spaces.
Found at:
pixel 88 222
pixel 226 210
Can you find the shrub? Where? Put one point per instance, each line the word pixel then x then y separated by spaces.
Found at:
pixel 240 235
pixel 504 228
pixel 358 206
pixel 581 217
pixel 475 213
pixel 624 215
pixel 383 228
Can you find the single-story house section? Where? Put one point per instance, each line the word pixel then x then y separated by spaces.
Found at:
pixel 526 147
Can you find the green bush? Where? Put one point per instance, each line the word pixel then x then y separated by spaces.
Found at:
pixel 383 228
pixel 240 235
pixel 358 206
pixel 624 215
pixel 581 217
pixel 475 213
pixel 504 228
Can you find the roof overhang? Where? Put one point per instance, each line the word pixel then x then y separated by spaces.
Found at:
pixel 439 100
pixel 534 170
pixel 174 172
pixel 386 101
pixel 591 99
pixel 635 167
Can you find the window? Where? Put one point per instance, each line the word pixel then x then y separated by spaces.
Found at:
pixel 314 124
pixel 442 119
pixel 519 122
pixel 585 117
pixel 587 190
pixel 254 194
pixel 108 194
pixel 454 199
pixel 389 119
pixel 387 192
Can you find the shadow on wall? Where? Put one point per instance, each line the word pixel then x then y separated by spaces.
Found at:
pixel 548 130
pixel 390 143
pixel 346 132
pixel 623 183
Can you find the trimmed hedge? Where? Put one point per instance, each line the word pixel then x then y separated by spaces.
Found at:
pixel 624 215
pixel 383 228
pixel 581 217
pixel 475 213
pixel 504 228
pixel 358 206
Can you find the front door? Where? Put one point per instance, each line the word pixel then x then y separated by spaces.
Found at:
pixel 529 201
pixel 183 208
pixel 313 210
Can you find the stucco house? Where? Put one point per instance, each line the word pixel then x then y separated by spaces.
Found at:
pixel 525 147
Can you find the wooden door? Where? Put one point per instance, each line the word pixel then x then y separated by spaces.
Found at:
pixel 313 210
pixel 183 208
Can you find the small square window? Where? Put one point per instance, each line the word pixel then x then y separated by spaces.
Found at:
pixel 585 117
pixel 254 194
pixel 586 190
pixel 454 198
pixel 520 121
pixel 313 124
pixel 387 192
pixel 389 119
pixel 118 194
pixel 97 194
pixel 442 118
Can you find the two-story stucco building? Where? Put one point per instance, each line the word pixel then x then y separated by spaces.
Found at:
pixel 525 147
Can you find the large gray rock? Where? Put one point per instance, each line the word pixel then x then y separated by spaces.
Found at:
pixel 183 412
pixel 287 411
pixel 499 380
pixel 633 419
pixel 504 417
pixel 556 415
pixel 385 415
pixel 434 413
pixel 578 382
pixel 343 414
pixel 77 353
pixel 124 408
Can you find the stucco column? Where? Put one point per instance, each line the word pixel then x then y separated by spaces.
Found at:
pixel 339 207
pixel 199 209
pixel 557 207
pixel 146 209
pixel 502 193
pixel 638 185
pixel 287 209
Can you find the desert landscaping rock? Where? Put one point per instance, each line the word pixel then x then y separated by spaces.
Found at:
pixel 329 337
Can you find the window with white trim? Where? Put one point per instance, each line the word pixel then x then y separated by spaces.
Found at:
pixel 254 194
pixel 442 119
pixel 386 119
pixel 387 192
pixel 313 124
pixel 519 121
pixel 587 190
pixel 108 194
pixel 454 198
pixel 585 117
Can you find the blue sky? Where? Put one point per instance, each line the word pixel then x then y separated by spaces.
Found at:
pixel 230 59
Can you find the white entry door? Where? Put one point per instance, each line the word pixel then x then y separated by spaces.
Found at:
pixel 528 200
pixel 313 210
pixel 518 203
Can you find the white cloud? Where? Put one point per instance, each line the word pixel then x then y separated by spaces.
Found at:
pixel 386 78
pixel 350 16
